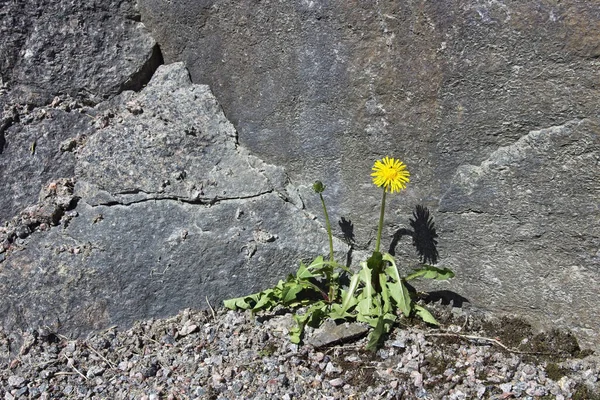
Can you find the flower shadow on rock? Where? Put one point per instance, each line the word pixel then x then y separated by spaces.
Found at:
pixel 423 233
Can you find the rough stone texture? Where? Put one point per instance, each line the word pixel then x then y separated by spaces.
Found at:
pixel 82 52
pixel 32 156
pixel 172 213
pixel 493 106
pixel 325 88
pixel 534 242
pixel 330 333
pixel 88 49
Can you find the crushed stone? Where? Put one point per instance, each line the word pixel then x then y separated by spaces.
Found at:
pixel 226 354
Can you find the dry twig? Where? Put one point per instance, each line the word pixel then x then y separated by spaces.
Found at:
pixel 211 309
pixel 485 339
pixel 70 364
pixel 110 364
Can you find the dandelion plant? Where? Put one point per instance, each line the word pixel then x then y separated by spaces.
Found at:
pixel 376 295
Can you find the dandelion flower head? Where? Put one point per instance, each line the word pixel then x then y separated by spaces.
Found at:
pixel 391 174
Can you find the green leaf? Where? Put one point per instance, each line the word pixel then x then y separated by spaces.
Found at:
pixel 364 307
pixel 392 270
pixel 401 296
pixel 348 298
pixel 239 303
pixel 318 265
pixel 431 272
pixel 304 272
pixel 266 300
pixel 336 312
pixel 425 315
pixel 367 319
pixel 385 294
pixel 365 275
pixel 317 314
pixel 342 267
pixel 313 317
pixel 376 335
pixel 383 326
pixel 396 288
pixel 297 331
pixel 290 292
pixel 317 268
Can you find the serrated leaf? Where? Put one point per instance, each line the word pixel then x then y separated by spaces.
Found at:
pixel 238 303
pixel 296 333
pixel 317 314
pixel 431 272
pixel 348 298
pixel 385 294
pixel 401 296
pixel 313 317
pixel 290 292
pixel 336 312
pixel 304 272
pixel 396 287
pixel 382 327
pixel 267 299
pixel 425 315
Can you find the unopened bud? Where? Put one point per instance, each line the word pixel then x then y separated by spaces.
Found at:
pixel 318 187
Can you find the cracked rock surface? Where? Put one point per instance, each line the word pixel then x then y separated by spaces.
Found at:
pixel 166 211
pixel 493 107
pixel 172 141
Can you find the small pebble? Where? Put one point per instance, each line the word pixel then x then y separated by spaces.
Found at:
pixel 337 382
pixel 16 381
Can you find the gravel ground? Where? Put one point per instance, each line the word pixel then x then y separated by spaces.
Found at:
pixel 235 355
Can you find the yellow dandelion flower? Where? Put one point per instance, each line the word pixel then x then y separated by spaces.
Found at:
pixel 391 174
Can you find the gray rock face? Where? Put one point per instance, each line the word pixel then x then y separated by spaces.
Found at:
pixel 119 205
pixel 325 88
pixel 82 52
pixel 172 213
pixel 532 212
pixel 32 156
pixel 87 49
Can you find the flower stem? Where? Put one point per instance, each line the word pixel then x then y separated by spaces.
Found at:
pixel 328 225
pixel 380 222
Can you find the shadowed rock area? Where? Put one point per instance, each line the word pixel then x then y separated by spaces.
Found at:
pixel 88 49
